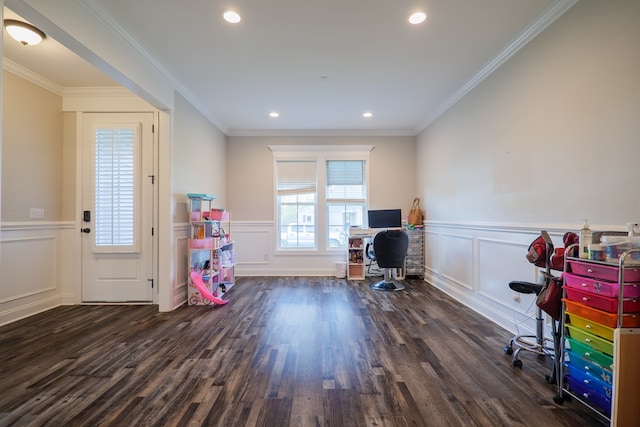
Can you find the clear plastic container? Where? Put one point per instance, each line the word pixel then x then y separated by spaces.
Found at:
pixel 634 243
pixel 614 246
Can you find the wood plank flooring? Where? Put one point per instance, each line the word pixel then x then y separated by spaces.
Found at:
pixel 295 351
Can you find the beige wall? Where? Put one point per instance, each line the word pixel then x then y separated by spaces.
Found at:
pixel 552 135
pixel 32 156
pixel 250 172
pixel 199 164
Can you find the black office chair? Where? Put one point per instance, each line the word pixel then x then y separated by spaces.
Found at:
pixel 371 256
pixel 390 249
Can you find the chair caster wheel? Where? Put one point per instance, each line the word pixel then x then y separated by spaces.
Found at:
pixel 517 363
pixel 559 399
pixel 508 350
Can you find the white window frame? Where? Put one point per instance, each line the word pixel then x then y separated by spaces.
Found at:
pixel 319 153
pixel 134 245
pixel 341 203
pixel 310 187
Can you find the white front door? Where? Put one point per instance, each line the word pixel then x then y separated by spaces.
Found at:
pixel 117 205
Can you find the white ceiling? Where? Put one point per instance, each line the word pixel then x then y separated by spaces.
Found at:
pixel 51 60
pixel 320 64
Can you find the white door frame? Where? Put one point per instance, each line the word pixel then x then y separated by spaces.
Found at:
pixel 122 101
pixel 115 273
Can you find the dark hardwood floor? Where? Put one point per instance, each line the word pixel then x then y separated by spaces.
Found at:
pixel 284 352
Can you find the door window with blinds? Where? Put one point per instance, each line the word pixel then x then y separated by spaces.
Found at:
pixel 115 189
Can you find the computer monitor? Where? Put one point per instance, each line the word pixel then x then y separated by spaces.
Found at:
pixel 385 218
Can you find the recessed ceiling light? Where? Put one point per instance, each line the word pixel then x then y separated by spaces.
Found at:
pixel 274 114
pixel 231 16
pixel 367 114
pixel 417 18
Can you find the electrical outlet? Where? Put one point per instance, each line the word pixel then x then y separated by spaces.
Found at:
pixel 266 256
pixel 37 213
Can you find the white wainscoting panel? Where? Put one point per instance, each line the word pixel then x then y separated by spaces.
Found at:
pixel 181 267
pixel 37 256
pixel 500 262
pixel 254 243
pixel 432 252
pixel 257 254
pixel 29 262
pixel 455 256
pixel 478 276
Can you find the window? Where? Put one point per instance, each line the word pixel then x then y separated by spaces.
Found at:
pixel 321 191
pixel 296 202
pixel 345 199
pixel 114 192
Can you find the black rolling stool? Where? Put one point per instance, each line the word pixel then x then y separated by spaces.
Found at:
pixel 538 343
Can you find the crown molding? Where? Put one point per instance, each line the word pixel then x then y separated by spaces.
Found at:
pixel 88 92
pixel 22 72
pixel 553 12
pixel 321 148
pixel 95 8
pixel 318 132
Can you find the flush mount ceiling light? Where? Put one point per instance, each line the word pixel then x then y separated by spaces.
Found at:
pixel 231 16
pixel 417 18
pixel 274 114
pixel 25 33
pixel 367 114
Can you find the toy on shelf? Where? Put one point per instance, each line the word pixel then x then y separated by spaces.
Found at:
pixel 196 280
pixel 211 255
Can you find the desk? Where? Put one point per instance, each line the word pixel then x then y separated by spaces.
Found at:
pixel 356 257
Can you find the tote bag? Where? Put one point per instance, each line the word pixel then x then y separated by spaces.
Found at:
pixel 415 214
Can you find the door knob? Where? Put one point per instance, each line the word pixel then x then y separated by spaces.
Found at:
pixel 85 230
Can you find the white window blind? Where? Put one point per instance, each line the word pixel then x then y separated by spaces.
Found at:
pixel 346 181
pixel 346 198
pixel 321 191
pixel 114 192
pixel 296 177
pixel 296 190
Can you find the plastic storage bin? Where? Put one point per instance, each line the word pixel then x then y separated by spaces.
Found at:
pixel 601 287
pixel 603 271
pixel 594 383
pixel 593 327
pixel 614 246
pixel 582 364
pixel 588 338
pixel 591 396
pixel 589 353
pixel 603 303
pixel 604 318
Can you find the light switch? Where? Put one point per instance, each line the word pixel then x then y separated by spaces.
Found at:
pixel 37 213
